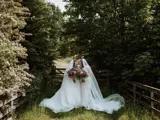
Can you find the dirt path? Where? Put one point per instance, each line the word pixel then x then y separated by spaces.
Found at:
pixel 62 63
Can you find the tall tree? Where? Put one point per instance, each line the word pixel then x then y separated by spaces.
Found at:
pixel 45 26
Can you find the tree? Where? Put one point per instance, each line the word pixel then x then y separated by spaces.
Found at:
pixel 45 26
pixel 120 34
pixel 13 67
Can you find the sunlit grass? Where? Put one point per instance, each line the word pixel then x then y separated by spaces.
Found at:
pixel 127 113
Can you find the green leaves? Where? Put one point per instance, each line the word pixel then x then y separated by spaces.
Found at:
pixel 45 25
pixel 143 62
pixel 124 38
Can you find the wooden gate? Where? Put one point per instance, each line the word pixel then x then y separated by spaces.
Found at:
pixel 145 95
pixel 60 71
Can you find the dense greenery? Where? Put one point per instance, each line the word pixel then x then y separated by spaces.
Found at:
pixel 44 25
pixel 30 35
pixel 122 36
pixel 13 66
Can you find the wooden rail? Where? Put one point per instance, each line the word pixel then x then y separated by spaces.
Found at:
pixel 60 71
pixel 8 105
pixel 145 95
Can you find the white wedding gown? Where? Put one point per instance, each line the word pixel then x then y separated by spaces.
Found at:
pixel 73 95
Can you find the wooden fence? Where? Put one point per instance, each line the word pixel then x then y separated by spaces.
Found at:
pixel 60 71
pixel 59 76
pixel 145 95
pixel 8 104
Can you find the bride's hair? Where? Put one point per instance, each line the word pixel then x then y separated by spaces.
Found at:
pixel 75 57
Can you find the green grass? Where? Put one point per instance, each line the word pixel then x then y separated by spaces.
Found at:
pixel 34 112
pixel 127 113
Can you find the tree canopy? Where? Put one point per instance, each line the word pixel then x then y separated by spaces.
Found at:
pixel 121 36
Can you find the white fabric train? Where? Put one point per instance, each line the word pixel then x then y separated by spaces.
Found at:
pixel 74 95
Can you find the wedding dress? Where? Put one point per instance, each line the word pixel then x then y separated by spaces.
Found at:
pixel 86 94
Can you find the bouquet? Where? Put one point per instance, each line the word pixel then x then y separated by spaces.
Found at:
pixel 78 73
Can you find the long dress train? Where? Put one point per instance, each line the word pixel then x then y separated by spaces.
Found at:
pixel 87 94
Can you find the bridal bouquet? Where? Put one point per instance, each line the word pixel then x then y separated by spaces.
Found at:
pixel 78 73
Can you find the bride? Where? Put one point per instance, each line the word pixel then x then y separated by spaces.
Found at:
pixel 87 94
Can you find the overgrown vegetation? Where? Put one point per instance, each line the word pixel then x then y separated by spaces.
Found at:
pixel 120 36
pixel 44 25
pixel 13 65
pixel 30 34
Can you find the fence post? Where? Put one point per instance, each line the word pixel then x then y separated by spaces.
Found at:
pixel 12 106
pixel 134 94
pixel 12 103
pixel 152 103
pixel 108 83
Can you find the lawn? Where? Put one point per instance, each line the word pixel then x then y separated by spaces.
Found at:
pixel 127 113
